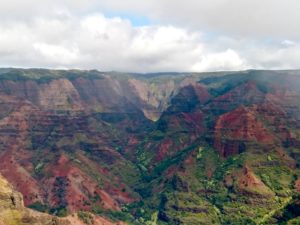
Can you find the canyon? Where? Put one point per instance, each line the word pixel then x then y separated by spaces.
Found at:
pixel 91 147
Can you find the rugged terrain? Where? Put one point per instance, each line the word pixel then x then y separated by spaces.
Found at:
pixel 12 211
pixel 165 148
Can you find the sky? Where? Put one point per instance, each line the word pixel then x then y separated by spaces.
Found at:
pixel 150 35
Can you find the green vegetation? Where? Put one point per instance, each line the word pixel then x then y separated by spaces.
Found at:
pixel 86 217
pixel 43 76
pixel 38 206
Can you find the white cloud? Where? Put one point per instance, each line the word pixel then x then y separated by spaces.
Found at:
pixel 106 43
pixel 75 34
pixel 288 43
pixel 255 18
pixel 56 54
pixel 227 60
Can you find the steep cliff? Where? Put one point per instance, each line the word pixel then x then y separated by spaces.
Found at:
pixel 13 212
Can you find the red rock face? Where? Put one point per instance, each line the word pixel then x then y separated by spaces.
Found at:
pixel 164 149
pixel 67 185
pixel 21 179
pixel 246 93
pixel 182 117
pixel 248 179
pixel 249 183
pixel 72 187
pixel 189 121
pixel 100 94
pixel 201 93
pixel 24 129
pixel 239 126
pixel 297 185
pixel 278 120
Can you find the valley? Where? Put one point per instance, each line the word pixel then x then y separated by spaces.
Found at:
pixel 161 148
